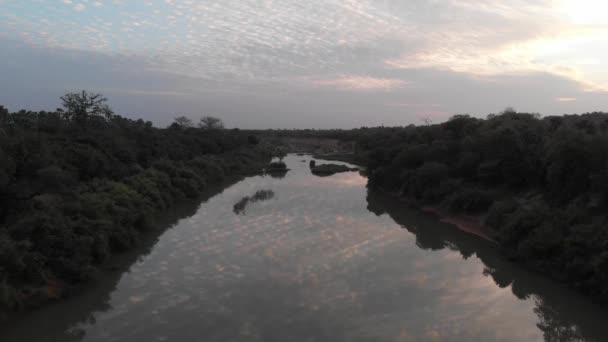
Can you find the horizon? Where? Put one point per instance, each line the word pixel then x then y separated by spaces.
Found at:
pixel 318 65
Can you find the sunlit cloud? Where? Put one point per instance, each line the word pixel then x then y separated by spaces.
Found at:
pixel 585 12
pixel 541 38
pixel 566 99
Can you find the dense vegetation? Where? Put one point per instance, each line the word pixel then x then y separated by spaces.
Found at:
pixel 540 184
pixel 81 183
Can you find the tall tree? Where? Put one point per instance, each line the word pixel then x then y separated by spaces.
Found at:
pixel 210 122
pixel 80 106
pixel 182 122
pixel 3 120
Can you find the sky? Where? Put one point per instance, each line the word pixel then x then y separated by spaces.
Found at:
pixel 308 64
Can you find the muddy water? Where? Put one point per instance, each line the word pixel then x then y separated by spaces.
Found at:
pixel 307 258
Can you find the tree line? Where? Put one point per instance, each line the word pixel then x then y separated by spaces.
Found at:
pixel 81 183
pixel 540 184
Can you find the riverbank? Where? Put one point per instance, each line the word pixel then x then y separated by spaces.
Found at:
pixel 213 172
pixel 471 224
pixel 476 225
pixel 539 182
pixel 93 295
pixel 76 191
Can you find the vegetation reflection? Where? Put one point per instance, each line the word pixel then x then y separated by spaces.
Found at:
pixel 560 319
pixel 261 195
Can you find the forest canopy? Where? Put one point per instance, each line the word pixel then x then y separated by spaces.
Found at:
pixel 81 183
pixel 540 183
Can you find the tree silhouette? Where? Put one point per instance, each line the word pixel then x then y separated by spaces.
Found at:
pixel 81 106
pixel 183 122
pixel 210 122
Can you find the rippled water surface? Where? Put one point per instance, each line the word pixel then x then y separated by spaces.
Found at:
pixel 307 258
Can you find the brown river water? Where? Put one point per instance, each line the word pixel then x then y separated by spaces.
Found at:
pixel 307 258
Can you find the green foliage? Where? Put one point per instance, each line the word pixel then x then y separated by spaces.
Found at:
pixel 543 183
pixel 81 184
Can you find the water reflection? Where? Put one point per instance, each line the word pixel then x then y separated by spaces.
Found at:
pixel 353 179
pixel 563 316
pixel 325 261
pixel 260 195
pixel 278 174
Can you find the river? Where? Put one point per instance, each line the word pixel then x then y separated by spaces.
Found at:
pixel 307 258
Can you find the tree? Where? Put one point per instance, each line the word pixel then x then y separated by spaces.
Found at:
pixel 509 110
pixel 3 114
pixel 80 106
pixel 182 122
pixel 210 122
pixel 3 120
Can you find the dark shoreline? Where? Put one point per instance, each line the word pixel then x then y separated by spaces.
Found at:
pixel 473 225
pixel 58 290
pixel 94 293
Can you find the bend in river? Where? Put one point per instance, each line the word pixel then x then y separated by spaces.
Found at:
pixel 307 258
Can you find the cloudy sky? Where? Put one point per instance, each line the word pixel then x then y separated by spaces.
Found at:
pixel 312 63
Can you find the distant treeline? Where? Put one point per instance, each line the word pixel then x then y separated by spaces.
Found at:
pixel 275 135
pixel 81 183
pixel 540 184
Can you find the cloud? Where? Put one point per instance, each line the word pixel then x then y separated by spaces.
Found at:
pixel 359 83
pixel 565 99
pixel 414 105
pixel 472 56
pixel 514 38
pixel 281 41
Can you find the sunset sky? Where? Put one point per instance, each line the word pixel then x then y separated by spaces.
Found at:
pixel 313 63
